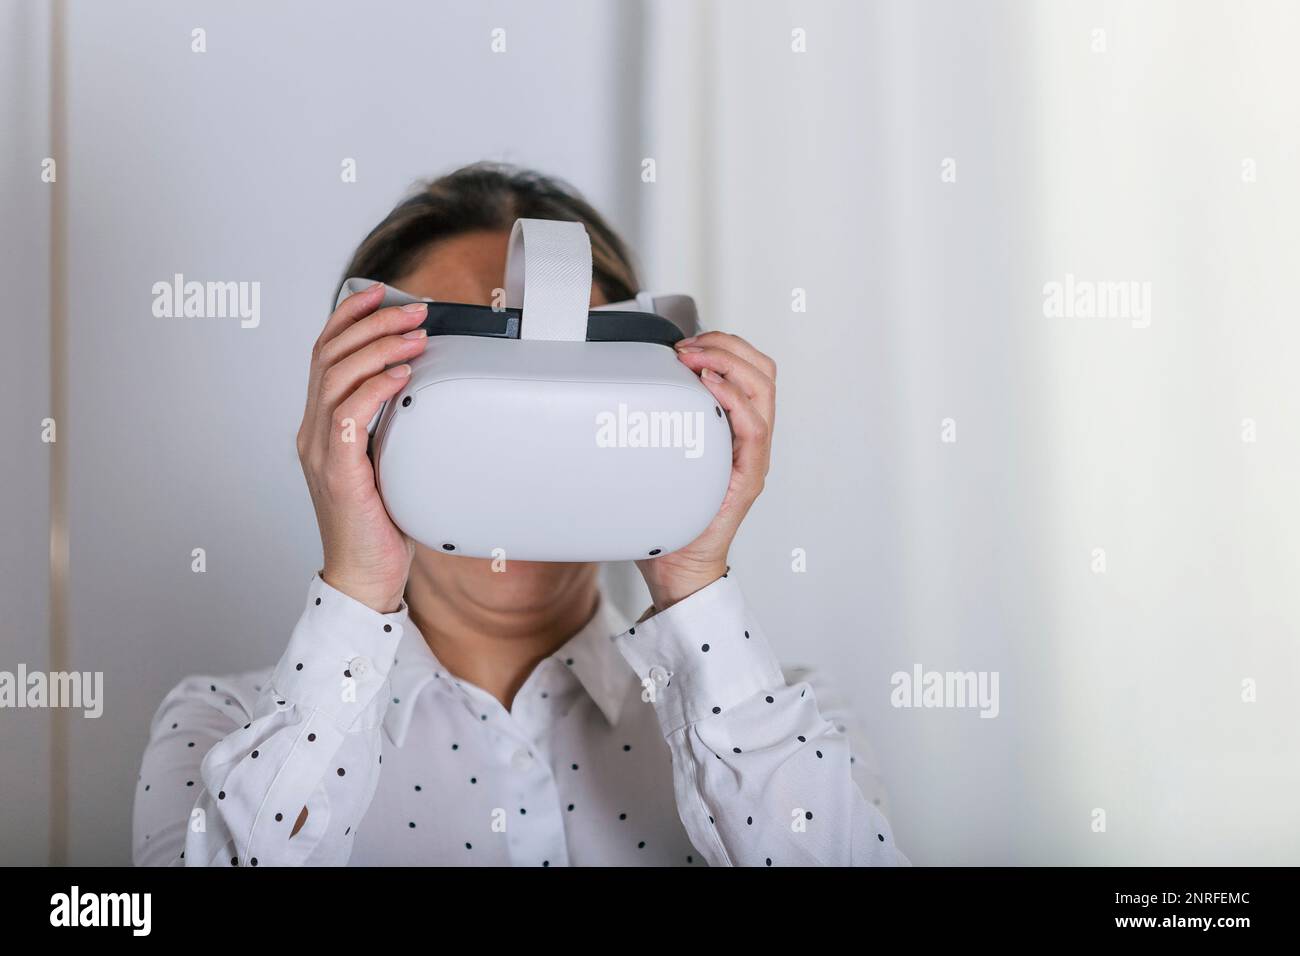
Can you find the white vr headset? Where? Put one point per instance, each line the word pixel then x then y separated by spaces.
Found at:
pixel 547 430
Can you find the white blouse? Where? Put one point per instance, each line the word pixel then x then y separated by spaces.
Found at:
pixel 678 741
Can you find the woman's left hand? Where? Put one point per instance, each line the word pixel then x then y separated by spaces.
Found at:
pixel 743 380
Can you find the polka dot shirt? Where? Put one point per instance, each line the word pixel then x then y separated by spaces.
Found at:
pixel 675 742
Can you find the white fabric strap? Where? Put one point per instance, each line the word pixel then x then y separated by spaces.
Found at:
pixel 548 275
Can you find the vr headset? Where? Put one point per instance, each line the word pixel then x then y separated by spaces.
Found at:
pixel 547 430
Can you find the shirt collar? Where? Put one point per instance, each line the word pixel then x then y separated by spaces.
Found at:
pixel 597 663
pixel 590 655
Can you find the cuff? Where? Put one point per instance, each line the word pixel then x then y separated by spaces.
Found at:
pixel 701 656
pixel 339 656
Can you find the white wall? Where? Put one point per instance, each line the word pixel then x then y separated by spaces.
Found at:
pixel 226 166
pixel 775 170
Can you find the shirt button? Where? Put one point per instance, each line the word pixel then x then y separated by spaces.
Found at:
pixel 358 666
pixel 521 760
pixel 659 675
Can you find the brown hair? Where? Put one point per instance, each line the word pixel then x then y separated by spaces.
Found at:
pixel 488 196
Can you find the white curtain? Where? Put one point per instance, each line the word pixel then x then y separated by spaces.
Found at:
pixel 1113 530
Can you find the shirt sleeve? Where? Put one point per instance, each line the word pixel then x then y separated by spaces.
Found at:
pixel 232 764
pixel 763 776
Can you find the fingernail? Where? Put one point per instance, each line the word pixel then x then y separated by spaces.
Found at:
pixel 371 288
pixel 689 348
pixel 685 341
pixel 415 334
pixel 415 307
pixel 400 371
pixel 711 376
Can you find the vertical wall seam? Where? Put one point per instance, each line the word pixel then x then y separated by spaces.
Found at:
pixel 708 73
pixel 629 104
pixel 58 474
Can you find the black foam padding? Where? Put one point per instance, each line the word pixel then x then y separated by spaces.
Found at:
pixel 455 318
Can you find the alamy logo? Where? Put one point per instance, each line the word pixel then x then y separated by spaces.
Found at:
pixel 1086 299
pixel 637 429
pixel 208 300
pixel 955 689
pixel 75 908
pixel 37 689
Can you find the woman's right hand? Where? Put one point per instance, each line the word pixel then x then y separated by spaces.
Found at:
pixel 366 556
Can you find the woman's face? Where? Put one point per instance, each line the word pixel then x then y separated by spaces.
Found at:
pixel 469 268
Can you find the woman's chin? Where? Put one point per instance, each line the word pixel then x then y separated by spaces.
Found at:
pixel 502 584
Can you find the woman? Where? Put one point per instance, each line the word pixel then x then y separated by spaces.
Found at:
pixel 429 710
